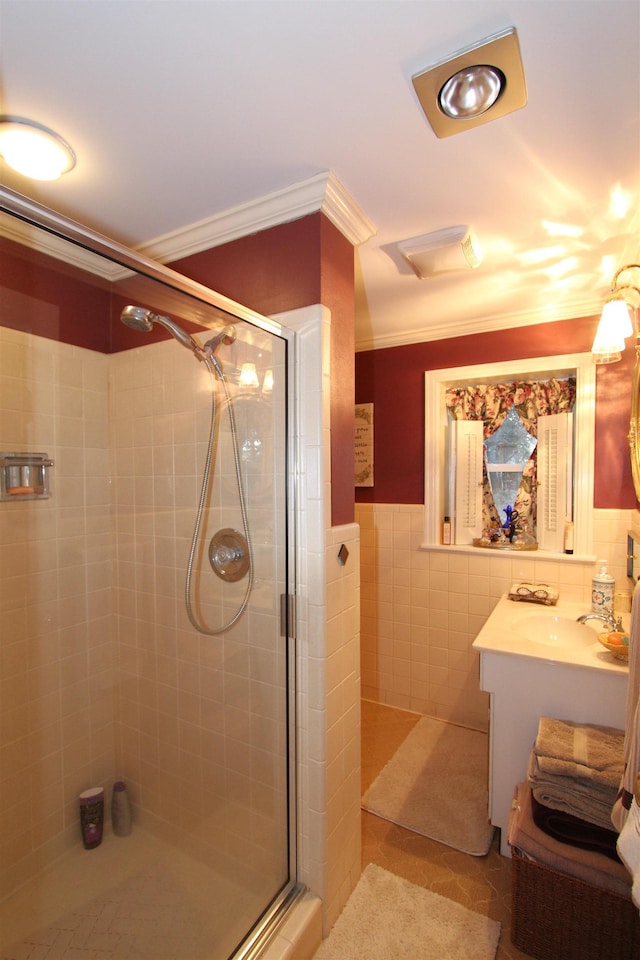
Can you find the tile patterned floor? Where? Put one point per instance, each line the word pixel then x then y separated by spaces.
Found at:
pixel 144 918
pixel 479 883
pixel 135 898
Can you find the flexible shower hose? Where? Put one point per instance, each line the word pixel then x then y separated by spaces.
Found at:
pixel 214 367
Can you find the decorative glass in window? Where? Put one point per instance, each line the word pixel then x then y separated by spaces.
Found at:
pixel 507 453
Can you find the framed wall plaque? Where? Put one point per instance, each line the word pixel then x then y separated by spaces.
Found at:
pixel 364 445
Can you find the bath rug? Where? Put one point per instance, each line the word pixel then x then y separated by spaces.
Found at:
pixel 436 784
pixel 389 917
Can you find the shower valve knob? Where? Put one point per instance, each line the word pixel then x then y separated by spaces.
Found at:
pixel 229 554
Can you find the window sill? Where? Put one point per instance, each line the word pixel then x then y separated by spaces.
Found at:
pixel 544 555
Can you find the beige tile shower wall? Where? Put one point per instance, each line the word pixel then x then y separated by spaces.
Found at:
pixel 422 609
pixel 200 738
pixel 56 710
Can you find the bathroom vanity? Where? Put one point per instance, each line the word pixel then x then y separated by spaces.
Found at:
pixel 535 661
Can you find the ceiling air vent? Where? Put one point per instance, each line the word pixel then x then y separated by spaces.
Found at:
pixel 443 251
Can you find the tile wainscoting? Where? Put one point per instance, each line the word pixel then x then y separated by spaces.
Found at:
pixel 421 609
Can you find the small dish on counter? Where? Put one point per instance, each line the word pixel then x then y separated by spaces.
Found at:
pixel 616 643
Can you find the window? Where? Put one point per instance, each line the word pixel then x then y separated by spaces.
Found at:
pixel 454 454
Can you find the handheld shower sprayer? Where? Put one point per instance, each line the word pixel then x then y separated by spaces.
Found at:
pixel 139 318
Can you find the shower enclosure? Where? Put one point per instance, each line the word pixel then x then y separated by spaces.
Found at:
pixel 146 577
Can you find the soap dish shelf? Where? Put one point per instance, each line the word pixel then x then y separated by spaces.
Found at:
pixel 24 476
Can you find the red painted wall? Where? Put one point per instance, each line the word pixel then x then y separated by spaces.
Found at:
pixel 270 271
pixel 393 379
pixel 338 294
pixel 293 265
pixel 297 264
pixel 48 298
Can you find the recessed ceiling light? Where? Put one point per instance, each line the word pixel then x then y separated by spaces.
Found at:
pixel 34 150
pixel 478 84
pixel 471 91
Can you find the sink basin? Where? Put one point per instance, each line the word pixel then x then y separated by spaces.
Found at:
pixel 555 631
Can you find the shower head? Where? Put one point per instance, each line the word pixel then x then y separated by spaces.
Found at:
pixel 227 335
pixel 138 318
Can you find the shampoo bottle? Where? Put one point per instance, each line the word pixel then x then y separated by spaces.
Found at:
pixel 602 590
pixel 92 816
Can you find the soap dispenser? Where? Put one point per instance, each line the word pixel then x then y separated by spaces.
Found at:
pixel 602 590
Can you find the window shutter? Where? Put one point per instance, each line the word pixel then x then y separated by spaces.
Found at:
pixel 555 466
pixel 466 479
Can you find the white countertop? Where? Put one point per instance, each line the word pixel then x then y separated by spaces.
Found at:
pixel 504 632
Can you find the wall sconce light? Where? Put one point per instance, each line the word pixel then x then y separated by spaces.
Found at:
pixel 615 322
pixel 267 383
pixel 248 375
pixel 34 150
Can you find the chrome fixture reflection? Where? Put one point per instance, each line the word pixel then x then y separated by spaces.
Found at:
pixel 476 85
pixel 34 150
pixel 615 322
pixel 231 561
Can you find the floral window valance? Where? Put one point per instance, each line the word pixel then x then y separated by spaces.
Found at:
pixel 491 403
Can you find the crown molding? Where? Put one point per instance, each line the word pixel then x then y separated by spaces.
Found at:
pixel 322 192
pixel 465 328
pixel 53 246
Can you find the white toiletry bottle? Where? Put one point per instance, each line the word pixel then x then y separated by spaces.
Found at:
pixel 120 810
pixel 602 590
pixel 446 531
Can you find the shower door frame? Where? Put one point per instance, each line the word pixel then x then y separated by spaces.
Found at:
pixel 32 213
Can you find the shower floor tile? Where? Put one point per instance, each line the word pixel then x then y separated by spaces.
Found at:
pixel 151 904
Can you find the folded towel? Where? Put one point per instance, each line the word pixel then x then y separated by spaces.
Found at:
pixel 629 848
pixel 586 865
pixel 587 752
pixel 573 831
pixel 589 802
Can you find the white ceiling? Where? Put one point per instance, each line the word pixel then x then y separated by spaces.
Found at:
pixel 180 111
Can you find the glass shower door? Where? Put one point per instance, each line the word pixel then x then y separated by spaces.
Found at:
pixel 122 670
pixel 203 709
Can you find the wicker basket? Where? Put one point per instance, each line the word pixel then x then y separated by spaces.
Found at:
pixel 558 917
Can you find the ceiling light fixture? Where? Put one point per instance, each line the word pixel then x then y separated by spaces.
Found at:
pixel 615 322
pixel 34 150
pixel 478 84
pixel 471 92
